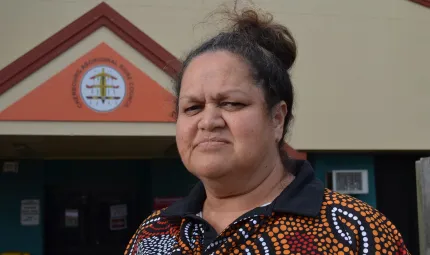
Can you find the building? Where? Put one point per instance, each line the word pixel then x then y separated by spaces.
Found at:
pixel 79 174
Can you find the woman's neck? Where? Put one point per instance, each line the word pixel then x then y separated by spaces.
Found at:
pixel 226 202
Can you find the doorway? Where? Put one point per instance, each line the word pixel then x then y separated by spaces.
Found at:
pixel 89 220
pixel 396 193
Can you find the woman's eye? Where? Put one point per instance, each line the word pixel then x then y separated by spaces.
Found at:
pixel 192 109
pixel 232 105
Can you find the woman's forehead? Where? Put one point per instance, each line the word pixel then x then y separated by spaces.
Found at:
pixel 216 70
pixel 218 64
pixel 218 88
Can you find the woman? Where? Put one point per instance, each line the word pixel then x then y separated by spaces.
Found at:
pixel 235 101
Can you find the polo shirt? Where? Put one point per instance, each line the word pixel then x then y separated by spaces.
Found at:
pixel 305 218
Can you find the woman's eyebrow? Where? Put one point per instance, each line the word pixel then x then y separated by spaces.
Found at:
pixel 190 98
pixel 219 95
pixel 226 93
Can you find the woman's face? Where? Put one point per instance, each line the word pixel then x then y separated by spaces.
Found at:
pixel 223 126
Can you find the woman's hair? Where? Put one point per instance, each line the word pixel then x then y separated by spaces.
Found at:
pixel 268 48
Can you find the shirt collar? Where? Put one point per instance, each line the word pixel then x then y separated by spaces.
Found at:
pixel 304 196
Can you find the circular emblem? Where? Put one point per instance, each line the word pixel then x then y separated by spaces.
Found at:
pixel 102 88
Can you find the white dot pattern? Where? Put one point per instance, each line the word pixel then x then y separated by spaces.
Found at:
pixel 344 234
pixel 156 245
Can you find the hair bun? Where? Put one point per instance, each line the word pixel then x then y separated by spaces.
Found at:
pixel 260 28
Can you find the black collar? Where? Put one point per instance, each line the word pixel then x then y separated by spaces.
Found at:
pixel 303 196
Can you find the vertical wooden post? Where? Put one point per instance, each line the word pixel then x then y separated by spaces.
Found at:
pixel 423 196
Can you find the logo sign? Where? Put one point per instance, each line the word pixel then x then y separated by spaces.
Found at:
pixel 102 88
pixel 103 85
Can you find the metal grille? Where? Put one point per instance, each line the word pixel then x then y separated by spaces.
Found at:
pixel 352 181
pixel 10 167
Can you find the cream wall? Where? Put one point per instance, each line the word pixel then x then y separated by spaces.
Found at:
pixel 362 77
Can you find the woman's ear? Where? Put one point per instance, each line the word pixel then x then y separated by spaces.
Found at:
pixel 279 113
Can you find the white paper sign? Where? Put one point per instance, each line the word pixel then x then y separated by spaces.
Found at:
pixel 30 212
pixel 71 218
pixel 118 217
pixel 118 211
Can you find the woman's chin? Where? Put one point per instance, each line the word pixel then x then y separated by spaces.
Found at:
pixel 212 171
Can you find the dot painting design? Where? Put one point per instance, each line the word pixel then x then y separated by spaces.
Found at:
pixel 345 225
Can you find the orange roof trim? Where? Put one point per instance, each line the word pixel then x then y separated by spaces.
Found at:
pixel 100 16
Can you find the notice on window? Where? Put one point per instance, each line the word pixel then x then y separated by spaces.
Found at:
pixel 118 217
pixel 71 219
pixel 30 212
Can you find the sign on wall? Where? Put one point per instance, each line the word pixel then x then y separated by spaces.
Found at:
pixel 71 218
pixel 103 88
pixel 10 167
pixel 100 86
pixel 30 212
pixel 118 217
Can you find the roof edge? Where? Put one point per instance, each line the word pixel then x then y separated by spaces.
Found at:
pixel 101 15
pixel 425 3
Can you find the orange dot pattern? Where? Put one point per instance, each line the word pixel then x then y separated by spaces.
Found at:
pixel 345 225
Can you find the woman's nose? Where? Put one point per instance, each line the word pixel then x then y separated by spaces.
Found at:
pixel 211 118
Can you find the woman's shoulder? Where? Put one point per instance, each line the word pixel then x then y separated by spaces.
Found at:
pixel 154 233
pixel 354 211
pixel 355 220
pixel 334 199
pixel 336 203
pixel 156 223
pixel 156 217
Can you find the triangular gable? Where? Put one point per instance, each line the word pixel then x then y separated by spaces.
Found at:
pixel 100 16
pixel 99 86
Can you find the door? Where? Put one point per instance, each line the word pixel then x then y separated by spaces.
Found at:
pixel 396 194
pixel 96 220
pixel 113 220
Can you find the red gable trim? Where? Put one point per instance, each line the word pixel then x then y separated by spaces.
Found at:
pixel 422 2
pixel 100 16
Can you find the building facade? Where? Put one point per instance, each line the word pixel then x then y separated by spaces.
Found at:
pixel 87 140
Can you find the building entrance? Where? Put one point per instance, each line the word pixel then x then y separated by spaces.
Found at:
pixel 93 220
